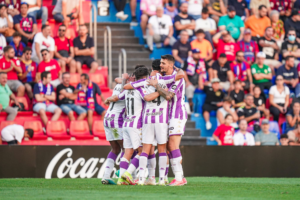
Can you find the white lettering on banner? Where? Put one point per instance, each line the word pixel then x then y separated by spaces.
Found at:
pixel 103 8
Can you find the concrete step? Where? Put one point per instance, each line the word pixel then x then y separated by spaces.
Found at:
pixel 190 124
pixel 114 25
pixel 116 32
pixel 127 46
pixel 192 140
pixel 119 39
pixel 192 132
pixel 130 54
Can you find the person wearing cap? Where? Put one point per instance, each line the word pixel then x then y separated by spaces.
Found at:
pixel 182 49
pixel 203 45
pixel 233 23
pixel 248 46
pixel 217 9
pixel 13 6
pixel 6 23
pixel 36 10
pixel 226 45
pixel 213 101
pixel 255 4
pixel 265 137
pixel 291 47
pixel 184 21
pixel 243 137
pixel 240 8
pixel 278 26
pixel 293 21
pixel 249 112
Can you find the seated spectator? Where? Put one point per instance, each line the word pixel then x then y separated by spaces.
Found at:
pixel 255 6
pixel 170 8
pixel 249 47
pixel 50 65
pixel 25 24
pixel 195 8
pixel 240 7
pixel 243 137
pixel 225 110
pixel 120 6
pixel 203 45
pixel 261 73
pixel 44 97
pixel 241 71
pixel 279 96
pixel 65 98
pixel 160 29
pixel 294 136
pixel 14 134
pixel 18 45
pixel 6 94
pixel 232 23
pixel 278 27
pixel 11 66
pixel 284 140
pixel 29 69
pixel 6 23
pixel 67 10
pixel 293 22
pixel 213 100
pixel 237 94
pixel 285 7
pixel 217 9
pixel 258 24
pixel 249 112
pixel 207 24
pixel 224 133
pixel 84 49
pixel 64 51
pixel 225 45
pixel 36 10
pixel 148 9
pixel 181 50
pixel 13 6
pixel 223 71
pixel 291 47
pixel 2 44
pixel 42 41
pixel 265 137
pixel 183 21
pixel 293 117
pixel 260 102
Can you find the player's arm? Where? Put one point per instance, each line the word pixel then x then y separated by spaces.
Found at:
pixel 113 98
pixel 166 94
pixel 151 97
pixel 179 75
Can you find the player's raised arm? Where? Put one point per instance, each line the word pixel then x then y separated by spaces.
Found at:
pixel 179 75
pixel 115 98
pixel 168 95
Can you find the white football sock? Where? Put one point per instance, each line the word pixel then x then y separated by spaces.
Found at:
pixel 134 164
pixel 110 163
pixel 143 165
pixel 151 165
pixel 162 165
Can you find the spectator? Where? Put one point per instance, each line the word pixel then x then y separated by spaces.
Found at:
pixel 13 6
pixel 36 10
pixel 213 100
pixel 249 112
pixel 293 22
pixel 237 95
pixel 184 21
pixel 44 97
pixel 279 98
pixel 6 23
pixel 85 50
pixel 261 73
pixel 265 137
pixel 284 140
pixel 195 8
pixel 50 65
pixel 64 51
pixel 222 71
pixel 134 21
pixel 284 7
pixel 170 8
pixel 291 47
pixel 240 7
pixel 225 110
pixel 217 8
pixel 29 69
pixel 278 27
pixel 255 6
pixel 232 23
pixel 6 94
pixel 2 44
pixel 65 98
pixel 203 45
pixel 11 66
pixel 207 24
pixel 243 137
pixel 224 133
pixel 225 45
pixel 67 10
pixel 269 46
pixel 160 29
pixel 18 45
pixel 258 24
pixel 248 46
pixel 148 9
pixel 260 102
pixel 14 134
pixel 293 117
pixel 241 71
pixel 294 136
pixel 25 24
pixel 181 50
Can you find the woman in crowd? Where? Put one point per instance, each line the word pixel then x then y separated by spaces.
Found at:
pixel 293 117
pixel 278 27
pixel 294 136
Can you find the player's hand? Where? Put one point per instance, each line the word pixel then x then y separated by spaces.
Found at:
pixel 106 102
pixel 17 103
pixel 152 81
pixel 125 76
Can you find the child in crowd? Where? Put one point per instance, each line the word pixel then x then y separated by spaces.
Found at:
pixel 17 44
pixel 237 94
pixel 224 133
pixel 260 102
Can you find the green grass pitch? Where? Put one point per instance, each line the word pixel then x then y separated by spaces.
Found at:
pixel 197 188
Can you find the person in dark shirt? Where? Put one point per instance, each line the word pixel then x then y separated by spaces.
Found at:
pixel 249 111
pixel 240 7
pixel 213 100
pixel 291 47
pixel 18 45
pixel 260 102
pixel 238 95
pixel 183 21
pixel 181 50
pixel 65 99
pixel 293 22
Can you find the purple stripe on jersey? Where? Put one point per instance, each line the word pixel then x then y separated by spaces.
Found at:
pixel 169 77
pixel 146 117
pixel 178 86
pixel 112 123
pixel 121 96
pixel 151 156
pixel 136 85
pixel 172 106
pixel 140 121
pixel 161 117
pixel 111 155
pixel 131 123
pixel 167 114
pixel 141 92
pixel 125 124
pixel 121 118
pixel 106 122
pixel 178 104
pixel 153 117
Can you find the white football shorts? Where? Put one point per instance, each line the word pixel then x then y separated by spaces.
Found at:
pixel 176 126
pixel 132 138
pixel 155 132
pixel 113 134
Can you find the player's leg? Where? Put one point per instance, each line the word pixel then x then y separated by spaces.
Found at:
pixel 161 133
pixel 151 166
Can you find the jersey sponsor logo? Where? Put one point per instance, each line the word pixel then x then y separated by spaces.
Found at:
pixel 109 118
pixel 45 44
pixel 49 68
pixel 129 120
pixel 155 113
pixel 174 87
pixel 171 128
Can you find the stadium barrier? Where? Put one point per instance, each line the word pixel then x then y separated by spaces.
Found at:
pixel 88 161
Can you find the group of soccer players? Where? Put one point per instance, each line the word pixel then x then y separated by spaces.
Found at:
pixel 147 109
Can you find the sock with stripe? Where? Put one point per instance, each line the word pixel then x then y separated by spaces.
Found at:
pixel 134 164
pixel 151 165
pixel 110 163
pixel 162 165
pixel 123 166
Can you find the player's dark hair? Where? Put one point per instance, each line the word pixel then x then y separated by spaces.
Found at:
pixel 168 57
pixel 199 31
pixel 237 81
pixel 86 76
pixel 288 57
pixel 138 66
pixel 44 26
pixel 205 10
pixel 16 34
pixel 261 7
pixel 141 72
pixel 26 49
pixel 7 48
pixel 228 115
pixel 44 75
pixel 156 64
pixel 29 132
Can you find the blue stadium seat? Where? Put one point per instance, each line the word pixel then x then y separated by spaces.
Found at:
pixel 198 101
pixel 200 124
pixel 157 52
pixel 211 141
pixel 283 127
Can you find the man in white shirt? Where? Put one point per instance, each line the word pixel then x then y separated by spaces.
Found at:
pixel 6 22
pixel 13 134
pixel 242 137
pixel 2 44
pixel 37 10
pixel 207 24
pixel 42 40
pixel 160 29
pixel 195 8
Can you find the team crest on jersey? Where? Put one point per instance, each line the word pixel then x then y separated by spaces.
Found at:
pixel 174 87
pixel 171 128
pixel 130 92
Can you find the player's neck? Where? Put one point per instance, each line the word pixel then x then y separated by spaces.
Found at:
pixel 170 72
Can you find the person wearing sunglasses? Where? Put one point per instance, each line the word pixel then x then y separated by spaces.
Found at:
pixel 291 47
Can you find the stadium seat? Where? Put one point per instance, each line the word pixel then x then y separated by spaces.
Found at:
pixel 80 130
pixel 6 123
pixel 22 100
pixel 37 128
pixel 283 127
pixel 57 130
pixel 97 78
pixel 74 79
pixel 98 129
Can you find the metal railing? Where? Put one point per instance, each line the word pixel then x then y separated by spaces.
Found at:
pixel 93 18
pixel 123 55
pixel 107 46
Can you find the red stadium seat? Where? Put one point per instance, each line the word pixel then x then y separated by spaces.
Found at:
pixel 57 130
pixel 80 130
pixel 74 79
pixel 98 129
pixel 37 128
pixel 6 123
pixel 97 78
pixel 22 100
